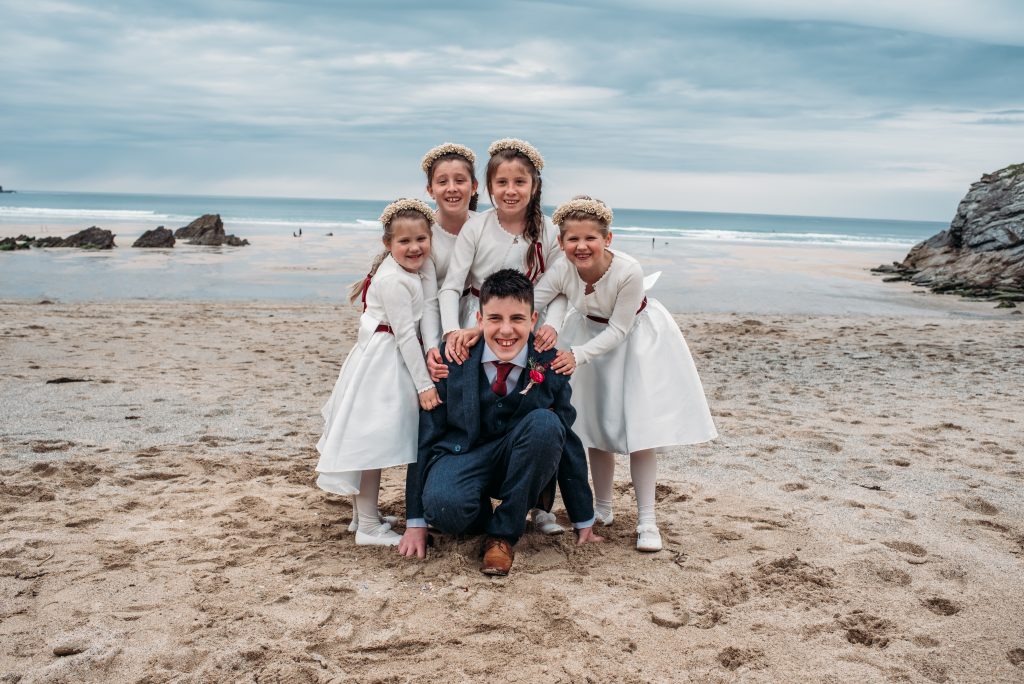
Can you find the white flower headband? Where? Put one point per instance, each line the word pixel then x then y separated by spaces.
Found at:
pixel 587 205
pixel 446 148
pixel 402 204
pixel 521 146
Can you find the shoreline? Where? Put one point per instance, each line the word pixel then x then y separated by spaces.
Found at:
pixel 697 276
pixel 858 518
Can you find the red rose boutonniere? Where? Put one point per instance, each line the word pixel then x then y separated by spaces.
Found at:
pixel 536 374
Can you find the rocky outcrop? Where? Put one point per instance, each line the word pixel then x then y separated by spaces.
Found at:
pixel 10 244
pixel 90 238
pixel 981 254
pixel 158 237
pixel 208 230
pixel 51 241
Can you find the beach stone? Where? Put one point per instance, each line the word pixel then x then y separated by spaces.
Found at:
pixel 234 241
pixel 981 254
pixel 90 238
pixel 158 237
pixel 52 241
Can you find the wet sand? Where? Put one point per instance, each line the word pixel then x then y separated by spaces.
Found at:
pixel 859 519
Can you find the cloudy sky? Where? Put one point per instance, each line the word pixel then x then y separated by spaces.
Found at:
pixel 865 108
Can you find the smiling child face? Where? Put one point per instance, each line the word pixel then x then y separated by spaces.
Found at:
pixel 512 188
pixel 410 243
pixel 452 185
pixel 584 243
pixel 506 324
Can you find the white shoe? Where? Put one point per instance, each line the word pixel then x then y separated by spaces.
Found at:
pixel 546 522
pixel 648 538
pixel 389 519
pixel 382 536
pixel 605 520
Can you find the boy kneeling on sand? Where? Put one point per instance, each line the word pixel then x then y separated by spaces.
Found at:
pixel 503 431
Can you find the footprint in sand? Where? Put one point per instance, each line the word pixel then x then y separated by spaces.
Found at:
pixel 866 630
pixel 733 658
pixel 978 505
pixel 941 606
pixel 915 554
pixel 793 487
pixel 1016 656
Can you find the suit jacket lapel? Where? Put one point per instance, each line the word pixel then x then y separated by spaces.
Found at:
pixel 463 392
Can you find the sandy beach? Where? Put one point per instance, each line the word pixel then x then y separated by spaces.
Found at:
pixel 859 519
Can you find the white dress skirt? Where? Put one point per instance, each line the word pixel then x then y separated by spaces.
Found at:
pixel 635 386
pixel 372 416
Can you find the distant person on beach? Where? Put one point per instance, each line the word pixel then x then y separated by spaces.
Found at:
pixel 372 414
pixel 451 182
pixel 514 234
pixel 635 387
pixel 503 431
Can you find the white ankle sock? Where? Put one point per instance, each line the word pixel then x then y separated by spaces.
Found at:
pixel 643 468
pixel 366 500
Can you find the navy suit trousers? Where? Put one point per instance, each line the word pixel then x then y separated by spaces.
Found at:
pixel 513 469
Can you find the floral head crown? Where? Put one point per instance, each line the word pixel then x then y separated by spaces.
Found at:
pixel 521 146
pixel 403 204
pixel 587 205
pixel 446 148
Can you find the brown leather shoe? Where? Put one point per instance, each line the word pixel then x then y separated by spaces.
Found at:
pixel 498 555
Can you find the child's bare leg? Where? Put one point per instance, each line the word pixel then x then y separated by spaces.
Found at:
pixel 602 472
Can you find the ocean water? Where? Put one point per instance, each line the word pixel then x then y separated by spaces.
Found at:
pixel 709 261
pixel 56 212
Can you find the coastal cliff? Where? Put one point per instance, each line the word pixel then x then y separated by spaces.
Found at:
pixel 981 254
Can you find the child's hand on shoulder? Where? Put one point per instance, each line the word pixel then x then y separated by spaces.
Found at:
pixel 545 338
pixel 429 400
pixel 564 363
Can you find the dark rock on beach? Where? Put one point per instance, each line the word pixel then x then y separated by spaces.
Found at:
pixel 10 244
pixel 90 238
pixel 981 254
pixel 52 241
pixel 208 230
pixel 158 237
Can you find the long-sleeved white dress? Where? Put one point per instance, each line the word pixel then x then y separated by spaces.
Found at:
pixel 482 248
pixel 371 419
pixel 635 386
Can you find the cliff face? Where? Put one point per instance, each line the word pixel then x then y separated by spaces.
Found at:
pixel 982 251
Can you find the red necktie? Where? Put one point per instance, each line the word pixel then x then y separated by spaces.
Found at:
pixel 503 368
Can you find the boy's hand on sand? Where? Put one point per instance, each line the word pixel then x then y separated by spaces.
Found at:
pixel 564 363
pixel 587 536
pixel 545 338
pixel 429 399
pixel 458 342
pixel 413 542
pixel 436 365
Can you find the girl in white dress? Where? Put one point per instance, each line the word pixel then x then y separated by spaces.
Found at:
pixel 635 387
pixel 451 182
pixel 372 416
pixel 514 234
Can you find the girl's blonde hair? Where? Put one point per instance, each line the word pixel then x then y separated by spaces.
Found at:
pixel 399 209
pixel 584 208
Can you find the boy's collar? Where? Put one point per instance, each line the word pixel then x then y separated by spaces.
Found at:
pixel 519 360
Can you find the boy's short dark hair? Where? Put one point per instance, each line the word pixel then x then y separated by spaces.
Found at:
pixel 507 283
